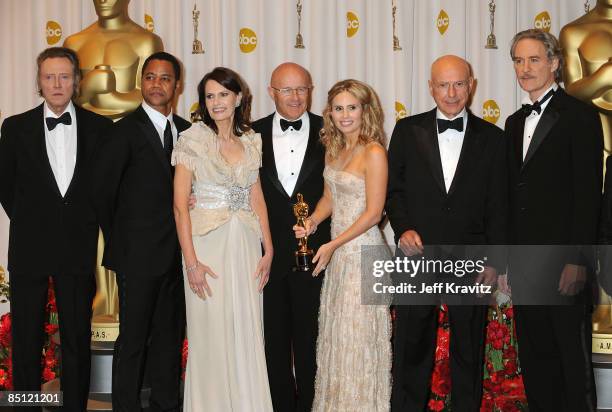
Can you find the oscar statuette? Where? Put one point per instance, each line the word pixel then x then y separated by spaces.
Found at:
pixel 396 42
pixel 491 40
pixel 299 40
pixel 303 256
pixel 197 47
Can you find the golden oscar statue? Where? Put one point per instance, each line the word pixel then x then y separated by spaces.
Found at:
pixel 587 48
pixel 111 53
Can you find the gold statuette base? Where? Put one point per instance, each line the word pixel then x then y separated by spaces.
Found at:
pixel 303 261
pixel 104 329
pixel 602 343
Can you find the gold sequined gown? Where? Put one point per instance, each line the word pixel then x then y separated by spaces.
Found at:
pixel 226 366
pixel 353 347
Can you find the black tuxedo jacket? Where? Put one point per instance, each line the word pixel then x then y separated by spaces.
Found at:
pixel 133 197
pixel 49 233
pixel 473 212
pixel 555 193
pixel 605 235
pixel 280 203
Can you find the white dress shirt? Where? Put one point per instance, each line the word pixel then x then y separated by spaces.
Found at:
pixel 61 143
pixel 531 121
pixel 289 150
pixel 450 143
pixel 159 121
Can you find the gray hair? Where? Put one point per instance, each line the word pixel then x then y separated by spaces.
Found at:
pixel 60 52
pixel 551 45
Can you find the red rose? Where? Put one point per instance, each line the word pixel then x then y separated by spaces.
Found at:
pixel 48 375
pixel 487 403
pixel 442 344
pixel 510 368
pixel 510 352
pixel 50 328
pixel 436 405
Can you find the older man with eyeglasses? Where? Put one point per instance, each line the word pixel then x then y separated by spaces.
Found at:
pixel 293 161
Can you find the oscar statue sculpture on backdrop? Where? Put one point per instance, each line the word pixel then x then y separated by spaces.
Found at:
pixel 587 49
pixel 111 51
pixel 196 47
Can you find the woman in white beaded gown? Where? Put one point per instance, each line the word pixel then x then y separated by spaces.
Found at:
pixel 353 346
pixel 221 237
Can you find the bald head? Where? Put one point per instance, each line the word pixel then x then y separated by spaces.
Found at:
pixel 289 69
pixel 285 82
pixel 451 84
pixel 450 62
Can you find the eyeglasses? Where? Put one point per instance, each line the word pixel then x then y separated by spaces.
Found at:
pixel 458 85
pixel 288 91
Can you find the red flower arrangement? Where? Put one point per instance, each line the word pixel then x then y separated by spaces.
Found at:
pixel 50 356
pixel 503 389
pixel 184 353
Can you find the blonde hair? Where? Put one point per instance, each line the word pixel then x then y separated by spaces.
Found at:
pixel 372 118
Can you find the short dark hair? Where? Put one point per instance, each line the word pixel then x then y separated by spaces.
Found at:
pixel 231 81
pixel 60 52
pixel 166 57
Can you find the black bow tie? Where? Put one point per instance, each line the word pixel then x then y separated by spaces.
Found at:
pixel 537 106
pixel 444 125
pixel 54 121
pixel 296 124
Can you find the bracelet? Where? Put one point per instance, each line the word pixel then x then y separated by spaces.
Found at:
pixel 192 268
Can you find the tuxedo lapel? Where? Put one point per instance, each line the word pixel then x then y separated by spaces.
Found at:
pixel 180 124
pixel 82 131
pixel 517 138
pixel 547 121
pixel 469 151
pixel 309 162
pixel 428 145
pixel 37 130
pixel 268 163
pixel 152 136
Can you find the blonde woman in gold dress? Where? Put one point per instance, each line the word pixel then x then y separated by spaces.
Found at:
pixel 353 346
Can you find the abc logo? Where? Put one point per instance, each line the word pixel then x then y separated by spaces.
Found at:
pixel 149 23
pixel 490 111
pixel 442 22
pixel 542 21
pixel 192 112
pixel 400 111
pixel 53 32
pixel 247 40
pixel 352 24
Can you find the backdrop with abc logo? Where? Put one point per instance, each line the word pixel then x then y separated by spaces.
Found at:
pixel 342 38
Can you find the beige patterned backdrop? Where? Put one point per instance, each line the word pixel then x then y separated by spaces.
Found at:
pixel 342 38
